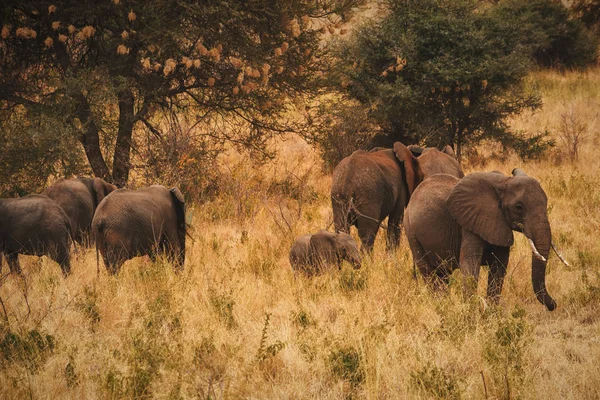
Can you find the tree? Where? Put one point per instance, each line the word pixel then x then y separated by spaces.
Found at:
pixel 439 72
pixel 101 69
pixel 555 38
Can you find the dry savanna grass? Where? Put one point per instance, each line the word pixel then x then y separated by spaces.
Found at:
pixel 237 323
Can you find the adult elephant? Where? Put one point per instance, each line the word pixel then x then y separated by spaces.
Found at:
pixel 467 223
pixel 367 187
pixel 131 223
pixel 313 254
pixel 79 198
pixel 34 225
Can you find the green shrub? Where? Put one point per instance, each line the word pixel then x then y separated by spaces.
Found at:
pixel 553 37
pixel 436 382
pixel 346 363
pixel 29 349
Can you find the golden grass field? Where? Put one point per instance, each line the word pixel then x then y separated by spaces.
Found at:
pixel 237 323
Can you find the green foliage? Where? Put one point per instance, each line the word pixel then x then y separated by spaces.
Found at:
pixel 438 73
pixel 30 349
pixel 352 280
pixel 265 351
pixel 506 349
pixel 345 128
pixel 554 38
pixel 34 147
pixel 89 307
pixel 436 382
pixel 128 77
pixel 223 304
pixel 70 373
pixel 588 12
pixel 346 363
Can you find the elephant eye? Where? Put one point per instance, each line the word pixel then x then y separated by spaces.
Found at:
pixel 519 206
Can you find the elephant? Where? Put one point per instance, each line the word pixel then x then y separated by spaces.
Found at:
pixel 79 198
pixel 367 187
pixel 34 225
pixel 313 254
pixel 452 223
pixel 131 223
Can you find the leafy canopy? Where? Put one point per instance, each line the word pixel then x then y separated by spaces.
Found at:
pixel 104 70
pixel 439 72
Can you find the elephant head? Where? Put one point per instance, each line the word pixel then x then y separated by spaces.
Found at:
pixel 335 247
pixel 492 205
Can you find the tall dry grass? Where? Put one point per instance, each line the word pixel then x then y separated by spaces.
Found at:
pixel 238 324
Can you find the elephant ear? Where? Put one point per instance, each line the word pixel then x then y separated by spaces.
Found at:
pixel 518 172
pixel 415 149
pixel 412 171
pixel 179 203
pixel 102 189
pixel 449 150
pixel 475 203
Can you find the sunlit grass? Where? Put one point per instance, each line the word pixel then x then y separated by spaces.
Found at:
pixel 237 323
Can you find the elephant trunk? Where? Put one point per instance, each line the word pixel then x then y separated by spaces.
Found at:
pixel 539 233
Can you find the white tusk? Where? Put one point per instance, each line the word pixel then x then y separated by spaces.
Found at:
pixel 560 255
pixel 535 251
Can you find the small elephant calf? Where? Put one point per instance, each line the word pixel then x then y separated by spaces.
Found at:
pixel 313 254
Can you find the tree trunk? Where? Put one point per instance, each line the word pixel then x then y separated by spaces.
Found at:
pixel 91 139
pixel 121 162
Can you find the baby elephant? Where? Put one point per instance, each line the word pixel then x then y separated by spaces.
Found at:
pixel 131 223
pixel 34 225
pixel 313 254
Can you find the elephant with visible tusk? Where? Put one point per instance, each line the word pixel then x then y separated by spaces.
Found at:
pixel 452 223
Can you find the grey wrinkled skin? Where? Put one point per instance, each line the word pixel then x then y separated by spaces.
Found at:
pixel 79 198
pixel 131 223
pixel 316 253
pixel 367 187
pixel 452 223
pixel 34 225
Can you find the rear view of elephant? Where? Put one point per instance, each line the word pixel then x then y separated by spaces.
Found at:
pixel 467 223
pixel 79 198
pixel 313 254
pixel 367 187
pixel 34 225
pixel 131 223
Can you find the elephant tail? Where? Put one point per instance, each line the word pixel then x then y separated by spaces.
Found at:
pixel 356 213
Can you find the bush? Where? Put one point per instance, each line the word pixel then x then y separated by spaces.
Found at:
pixel 346 127
pixel 554 38
pixel 438 73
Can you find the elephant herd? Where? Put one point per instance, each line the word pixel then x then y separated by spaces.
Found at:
pixel 123 223
pixel 451 221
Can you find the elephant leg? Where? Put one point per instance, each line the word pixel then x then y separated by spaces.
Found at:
pixel 420 260
pixel 13 263
pixel 471 254
pixel 341 216
pixel 394 231
pixel 367 231
pixel 498 263
pixel 63 258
